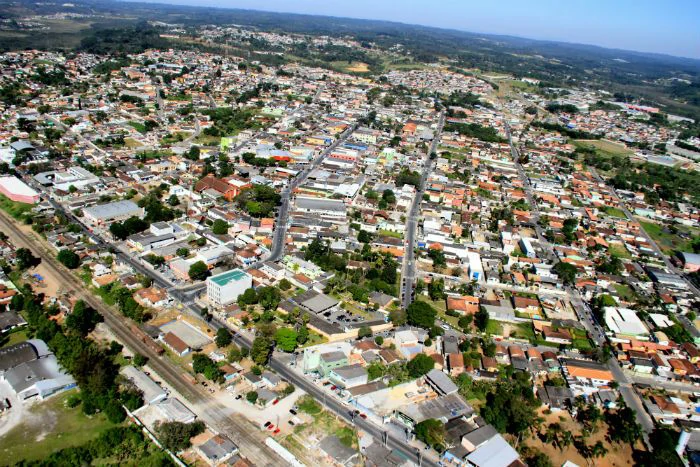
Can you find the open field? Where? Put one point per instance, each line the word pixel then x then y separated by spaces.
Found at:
pixel 50 426
pixel 604 147
pixel 13 208
pixel 667 239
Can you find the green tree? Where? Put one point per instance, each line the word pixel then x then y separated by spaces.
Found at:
pixel 223 337
pixel 364 331
pixel 481 319
pixel 286 339
pixel 431 432
pixel 176 435
pixel 83 318
pixel 199 271
pixel 25 259
pixel 182 252
pixel 260 350
pixel 285 285
pixel 140 360
pixel 252 397
pixel 420 365
pixel 69 258
pixel 220 227
pixel 566 272
pixel 421 314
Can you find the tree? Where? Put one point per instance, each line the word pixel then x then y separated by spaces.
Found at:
pixel 623 426
pixel 269 297
pixel 285 285
pixel 220 227
pixel 420 365
pixel 364 237
pixel 176 435
pixel 248 297
pixel 68 258
pixel 140 360
pixel 436 288
pixel 182 252
pixel 364 331
pixel 421 314
pixel 431 432
pixel 206 366
pixel 25 258
pixel 286 339
pixel 83 318
pixel 223 337
pixel 481 319
pixel 252 397
pixel 260 350
pixel 199 271
pixel 173 200
pixel 566 272
pixel 302 335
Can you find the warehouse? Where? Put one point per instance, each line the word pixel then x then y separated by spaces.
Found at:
pixel 18 191
pixel 101 214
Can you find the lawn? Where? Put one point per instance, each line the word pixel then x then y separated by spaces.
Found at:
pixel 50 426
pixel 14 338
pixel 625 292
pixel 619 251
pixel 604 148
pixel 494 328
pixel 522 331
pixel 667 240
pixel 615 212
pixel 389 233
pixel 138 126
pixel 13 208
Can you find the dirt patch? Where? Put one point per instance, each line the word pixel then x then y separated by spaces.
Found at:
pixel 358 67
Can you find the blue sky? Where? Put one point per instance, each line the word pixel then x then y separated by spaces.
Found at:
pixel 663 26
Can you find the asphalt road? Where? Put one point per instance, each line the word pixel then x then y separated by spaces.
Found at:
pixel 408 267
pixel 280 234
pixel 242 432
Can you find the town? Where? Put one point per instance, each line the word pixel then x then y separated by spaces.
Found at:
pixel 256 263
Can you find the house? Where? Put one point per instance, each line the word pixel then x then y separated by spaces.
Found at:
pixel 586 377
pixel 217 450
pixel 176 344
pixel 220 187
pixel 348 376
pixel 152 297
pixel 440 382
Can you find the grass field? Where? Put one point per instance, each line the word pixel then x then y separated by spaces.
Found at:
pixel 14 338
pixel 13 208
pixel 138 126
pixel 625 292
pixel 48 427
pixel 615 212
pixel 667 240
pixel 604 147
pixel 619 251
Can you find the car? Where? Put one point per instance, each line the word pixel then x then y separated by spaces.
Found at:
pixel 275 402
pixel 333 388
pixel 363 416
pixel 271 427
pixel 292 411
pixel 276 431
pixel 291 422
pixel 326 383
pixel 267 424
pixel 238 397
pixel 445 327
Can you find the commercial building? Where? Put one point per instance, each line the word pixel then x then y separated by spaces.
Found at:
pixel 348 376
pixel 223 289
pixel 18 191
pixel 152 392
pixel 625 322
pixel 32 370
pixel 321 207
pixel 476 270
pixel 102 214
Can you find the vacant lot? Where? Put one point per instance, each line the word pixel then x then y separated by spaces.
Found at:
pixel 670 240
pixel 50 426
pixel 605 147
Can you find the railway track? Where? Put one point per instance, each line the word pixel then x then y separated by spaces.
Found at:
pixel 240 430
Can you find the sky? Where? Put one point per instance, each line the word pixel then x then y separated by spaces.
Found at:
pixel 662 26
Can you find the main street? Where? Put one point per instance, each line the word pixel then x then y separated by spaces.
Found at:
pixel 221 418
pixel 408 267
pixel 280 234
pixel 583 311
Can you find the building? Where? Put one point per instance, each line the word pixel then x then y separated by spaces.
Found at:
pixel 223 289
pixel 476 271
pixel 586 377
pixel 152 392
pixel 441 383
pixel 625 322
pixel 691 261
pixel 16 190
pixel 217 449
pixel 348 376
pixel 32 370
pixel 321 207
pixel 102 214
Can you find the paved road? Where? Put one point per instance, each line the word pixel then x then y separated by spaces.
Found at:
pixel 408 267
pixel 248 437
pixel 280 234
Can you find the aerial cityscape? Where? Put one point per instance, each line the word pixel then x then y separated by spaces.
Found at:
pixel 232 237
